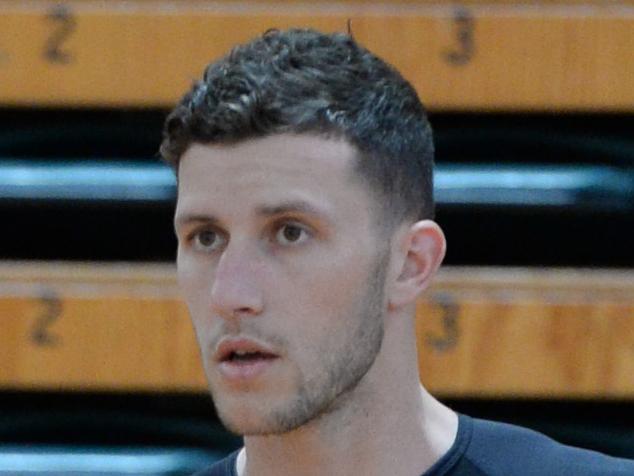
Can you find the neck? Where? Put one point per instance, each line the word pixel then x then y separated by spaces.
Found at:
pixel 389 424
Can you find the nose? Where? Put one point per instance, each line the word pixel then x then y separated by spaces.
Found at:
pixel 236 290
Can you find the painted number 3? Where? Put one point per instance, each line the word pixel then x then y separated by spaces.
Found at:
pixel 448 339
pixel 464 50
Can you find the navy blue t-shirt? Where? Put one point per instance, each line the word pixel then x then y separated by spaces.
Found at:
pixel 487 448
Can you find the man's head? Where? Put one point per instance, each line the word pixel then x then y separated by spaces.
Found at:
pixel 289 153
pixel 303 81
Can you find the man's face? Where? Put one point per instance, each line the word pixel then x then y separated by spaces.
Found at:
pixel 283 271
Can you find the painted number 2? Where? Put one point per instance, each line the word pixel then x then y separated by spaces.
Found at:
pixel 41 334
pixel 64 24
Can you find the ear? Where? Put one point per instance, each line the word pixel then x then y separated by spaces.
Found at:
pixel 422 249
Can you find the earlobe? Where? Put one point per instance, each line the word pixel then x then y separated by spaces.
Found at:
pixel 423 249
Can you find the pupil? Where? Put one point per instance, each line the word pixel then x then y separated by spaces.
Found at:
pixel 292 233
pixel 207 238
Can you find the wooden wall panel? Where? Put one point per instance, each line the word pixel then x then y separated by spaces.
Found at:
pixel 535 333
pixel 95 327
pixel 477 56
pixel 481 331
pixel 108 343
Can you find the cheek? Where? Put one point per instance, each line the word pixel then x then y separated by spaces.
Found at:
pixel 337 282
pixel 322 304
pixel 193 282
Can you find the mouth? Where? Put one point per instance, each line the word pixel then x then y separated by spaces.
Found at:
pixel 241 359
pixel 246 357
pixel 242 349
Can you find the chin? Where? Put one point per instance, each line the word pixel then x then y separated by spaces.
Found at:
pixel 246 424
pixel 253 416
pixel 243 416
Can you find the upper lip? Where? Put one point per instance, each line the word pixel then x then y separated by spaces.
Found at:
pixel 229 345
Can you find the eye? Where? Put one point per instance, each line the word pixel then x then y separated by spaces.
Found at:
pixel 291 234
pixel 207 240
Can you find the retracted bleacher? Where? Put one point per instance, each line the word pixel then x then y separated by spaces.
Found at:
pixel 532 319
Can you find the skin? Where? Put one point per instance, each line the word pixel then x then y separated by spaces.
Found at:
pixel 278 241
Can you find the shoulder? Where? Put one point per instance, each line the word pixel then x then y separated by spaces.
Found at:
pixel 223 467
pixel 502 449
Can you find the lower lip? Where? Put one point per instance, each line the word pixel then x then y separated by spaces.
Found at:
pixel 242 371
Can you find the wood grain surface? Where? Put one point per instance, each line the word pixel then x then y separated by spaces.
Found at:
pixel 477 56
pixel 481 331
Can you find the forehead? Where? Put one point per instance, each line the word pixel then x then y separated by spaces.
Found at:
pixel 279 168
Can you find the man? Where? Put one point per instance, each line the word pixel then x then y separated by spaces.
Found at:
pixel 305 230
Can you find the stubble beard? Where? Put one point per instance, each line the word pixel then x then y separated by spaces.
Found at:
pixel 344 369
pixel 339 375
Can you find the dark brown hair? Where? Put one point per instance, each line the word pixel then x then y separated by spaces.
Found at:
pixel 304 81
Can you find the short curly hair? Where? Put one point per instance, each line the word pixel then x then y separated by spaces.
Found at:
pixel 303 81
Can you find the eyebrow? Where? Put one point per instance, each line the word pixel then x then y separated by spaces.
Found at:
pixel 300 207
pixel 297 206
pixel 185 219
